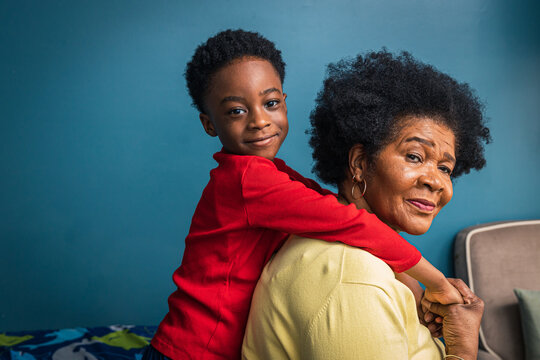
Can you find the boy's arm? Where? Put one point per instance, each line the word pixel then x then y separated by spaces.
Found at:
pixel 312 184
pixel 438 288
pixel 413 285
pixel 272 200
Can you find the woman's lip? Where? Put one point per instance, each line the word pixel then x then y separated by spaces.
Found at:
pixel 424 205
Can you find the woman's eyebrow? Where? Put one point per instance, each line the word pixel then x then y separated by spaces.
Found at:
pixel 430 144
pixel 420 140
pixel 449 157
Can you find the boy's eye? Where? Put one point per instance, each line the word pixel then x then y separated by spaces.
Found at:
pixel 272 103
pixel 236 111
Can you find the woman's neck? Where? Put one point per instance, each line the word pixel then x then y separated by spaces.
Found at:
pixel 345 197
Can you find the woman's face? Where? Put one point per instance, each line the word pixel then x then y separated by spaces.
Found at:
pixel 410 182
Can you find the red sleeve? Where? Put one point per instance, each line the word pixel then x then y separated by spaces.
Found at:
pixel 272 200
pixel 312 184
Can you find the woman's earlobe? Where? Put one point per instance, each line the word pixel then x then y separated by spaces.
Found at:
pixel 207 124
pixel 356 161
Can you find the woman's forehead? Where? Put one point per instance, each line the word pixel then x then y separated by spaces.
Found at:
pixel 427 131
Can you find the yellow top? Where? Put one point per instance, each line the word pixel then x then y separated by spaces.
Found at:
pixel 320 300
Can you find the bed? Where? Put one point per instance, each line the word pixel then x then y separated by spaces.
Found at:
pixel 93 343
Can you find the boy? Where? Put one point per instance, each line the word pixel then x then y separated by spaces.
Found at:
pixel 253 202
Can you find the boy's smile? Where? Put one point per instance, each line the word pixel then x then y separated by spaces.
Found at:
pixel 245 108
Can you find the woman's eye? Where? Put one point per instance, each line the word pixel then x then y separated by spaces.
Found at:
pixel 414 158
pixel 445 170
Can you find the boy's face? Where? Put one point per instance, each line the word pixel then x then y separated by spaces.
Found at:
pixel 246 108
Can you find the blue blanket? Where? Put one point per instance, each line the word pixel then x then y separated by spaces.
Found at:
pixel 104 342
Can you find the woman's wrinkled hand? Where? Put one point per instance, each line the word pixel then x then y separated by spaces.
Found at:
pixel 460 322
pixel 430 320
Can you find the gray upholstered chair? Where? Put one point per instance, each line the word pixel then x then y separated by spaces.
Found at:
pixel 494 259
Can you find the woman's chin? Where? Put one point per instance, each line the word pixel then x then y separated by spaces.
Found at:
pixel 416 229
pixel 416 232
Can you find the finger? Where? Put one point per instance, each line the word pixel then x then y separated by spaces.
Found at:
pixel 435 330
pixel 432 328
pixel 463 289
pixel 428 316
pixel 439 320
pixel 436 308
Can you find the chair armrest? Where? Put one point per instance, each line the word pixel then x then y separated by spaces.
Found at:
pixel 484 355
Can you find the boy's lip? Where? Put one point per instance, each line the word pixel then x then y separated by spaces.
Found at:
pixel 262 140
pixel 422 204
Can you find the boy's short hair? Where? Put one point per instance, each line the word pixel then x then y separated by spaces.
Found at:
pixel 219 51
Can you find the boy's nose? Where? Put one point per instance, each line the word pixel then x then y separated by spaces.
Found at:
pixel 259 120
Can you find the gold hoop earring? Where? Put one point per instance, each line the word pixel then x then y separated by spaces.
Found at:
pixel 355 183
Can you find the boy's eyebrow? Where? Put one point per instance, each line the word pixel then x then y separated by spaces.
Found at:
pixel 267 91
pixel 240 98
pixel 430 144
pixel 232 98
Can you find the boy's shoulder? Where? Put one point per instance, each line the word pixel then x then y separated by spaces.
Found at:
pixel 229 161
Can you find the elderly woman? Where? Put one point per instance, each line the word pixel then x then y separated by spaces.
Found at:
pixel 391 133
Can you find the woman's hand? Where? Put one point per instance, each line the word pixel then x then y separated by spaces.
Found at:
pixel 428 319
pixel 461 322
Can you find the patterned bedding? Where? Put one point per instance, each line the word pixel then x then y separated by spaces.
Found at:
pixel 105 342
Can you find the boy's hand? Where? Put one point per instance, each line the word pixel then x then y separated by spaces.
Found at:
pixel 438 288
pixel 444 294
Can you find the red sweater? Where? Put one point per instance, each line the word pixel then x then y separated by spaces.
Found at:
pixel 245 214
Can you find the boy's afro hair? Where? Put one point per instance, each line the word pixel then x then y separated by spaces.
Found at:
pixel 219 51
pixel 363 99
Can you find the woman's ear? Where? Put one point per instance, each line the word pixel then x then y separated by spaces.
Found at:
pixel 357 161
pixel 207 125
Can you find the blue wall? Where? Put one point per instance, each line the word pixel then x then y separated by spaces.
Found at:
pixel 103 158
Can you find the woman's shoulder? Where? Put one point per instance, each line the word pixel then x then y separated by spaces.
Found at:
pixel 352 265
pixel 360 266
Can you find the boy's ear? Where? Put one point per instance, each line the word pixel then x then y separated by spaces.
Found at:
pixel 207 125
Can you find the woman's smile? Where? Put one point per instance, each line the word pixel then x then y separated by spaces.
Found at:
pixel 423 205
pixel 410 182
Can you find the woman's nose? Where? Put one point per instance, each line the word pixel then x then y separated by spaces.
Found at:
pixel 432 180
